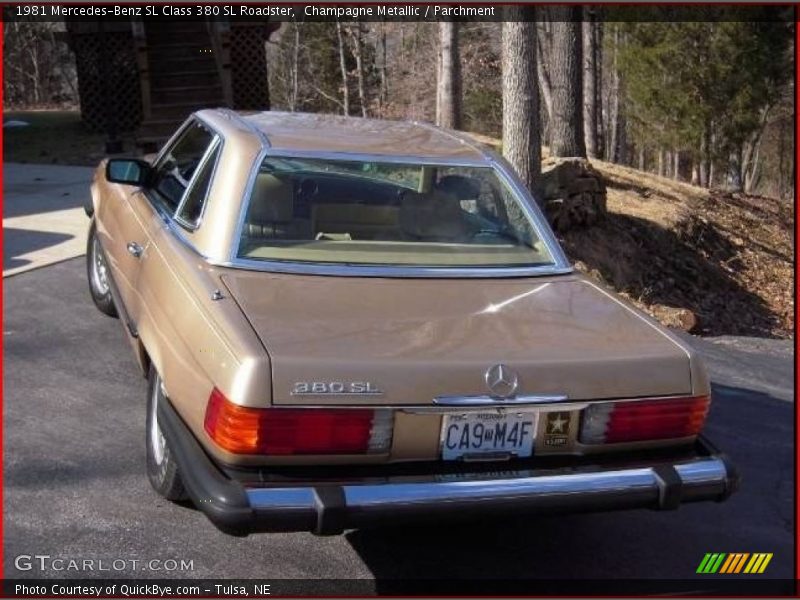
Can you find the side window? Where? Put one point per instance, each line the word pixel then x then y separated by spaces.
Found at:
pixel 178 164
pixel 195 200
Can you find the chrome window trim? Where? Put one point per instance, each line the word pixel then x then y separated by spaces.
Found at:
pixel 148 192
pixel 531 207
pixel 489 158
pixel 244 207
pixel 216 143
pixel 171 220
pixel 344 270
pixel 171 141
pixel 384 158
pixel 560 264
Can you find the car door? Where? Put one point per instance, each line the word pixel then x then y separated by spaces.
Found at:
pixel 176 169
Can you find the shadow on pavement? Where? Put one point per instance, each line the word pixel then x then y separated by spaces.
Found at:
pixel 17 242
pixel 31 189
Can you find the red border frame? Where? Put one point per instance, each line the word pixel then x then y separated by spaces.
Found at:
pixel 3 5
pixel 796 293
pixel 2 163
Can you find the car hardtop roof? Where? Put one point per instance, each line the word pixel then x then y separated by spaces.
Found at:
pixel 285 132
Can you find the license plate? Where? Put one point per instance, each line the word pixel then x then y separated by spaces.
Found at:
pixel 482 435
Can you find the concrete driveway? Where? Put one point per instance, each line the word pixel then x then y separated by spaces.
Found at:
pixel 75 482
pixel 43 217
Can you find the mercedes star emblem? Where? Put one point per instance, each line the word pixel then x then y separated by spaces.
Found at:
pixel 501 381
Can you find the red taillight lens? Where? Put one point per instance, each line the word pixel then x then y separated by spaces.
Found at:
pixel 292 431
pixel 638 420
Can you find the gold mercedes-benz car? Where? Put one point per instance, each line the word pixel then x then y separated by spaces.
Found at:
pixel 350 321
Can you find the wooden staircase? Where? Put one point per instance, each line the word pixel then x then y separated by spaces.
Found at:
pixel 183 66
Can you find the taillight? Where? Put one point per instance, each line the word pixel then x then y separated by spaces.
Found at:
pixel 293 431
pixel 638 420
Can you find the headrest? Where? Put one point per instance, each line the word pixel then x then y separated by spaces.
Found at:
pixel 463 188
pixel 272 200
pixel 436 216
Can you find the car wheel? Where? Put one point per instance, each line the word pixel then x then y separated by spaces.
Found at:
pixel 161 467
pixel 97 272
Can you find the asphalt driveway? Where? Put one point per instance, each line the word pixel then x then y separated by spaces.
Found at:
pixel 43 217
pixel 75 483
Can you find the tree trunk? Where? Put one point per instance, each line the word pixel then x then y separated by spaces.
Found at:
pixel 601 137
pixel 711 174
pixel 735 170
pixel 343 69
pixel 750 152
pixel 449 84
pixel 753 176
pixel 704 155
pixel 622 149
pixel 295 67
pixel 676 171
pixel 589 41
pixel 567 58
pixel 702 175
pixel 521 135
pixel 542 70
pixel 641 158
pixel 614 116
pixel 783 172
pixel 661 162
pixel 438 114
pixel 752 171
pixel 384 95
pixel 357 45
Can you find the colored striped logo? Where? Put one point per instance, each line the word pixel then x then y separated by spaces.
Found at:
pixel 737 562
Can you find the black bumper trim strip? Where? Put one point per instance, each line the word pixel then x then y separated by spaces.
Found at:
pixel 670 487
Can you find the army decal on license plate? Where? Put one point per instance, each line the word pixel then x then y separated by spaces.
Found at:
pixel 556 433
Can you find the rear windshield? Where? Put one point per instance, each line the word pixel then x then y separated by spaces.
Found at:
pixel 372 213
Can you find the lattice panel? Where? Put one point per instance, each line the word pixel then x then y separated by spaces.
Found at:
pixel 108 81
pixel 249 68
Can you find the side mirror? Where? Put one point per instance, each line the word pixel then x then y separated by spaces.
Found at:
pixel 129 171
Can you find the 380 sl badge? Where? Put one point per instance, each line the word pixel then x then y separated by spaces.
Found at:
pixel 335 388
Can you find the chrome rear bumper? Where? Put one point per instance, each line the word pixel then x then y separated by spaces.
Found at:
pixel 332 508
pixel 660 487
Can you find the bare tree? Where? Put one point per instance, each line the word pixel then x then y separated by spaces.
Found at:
pixel 590 84
pixel 39 68
pixel 676 168
pixel 295 68
pixel 521 134
pixel 357 33
pixel 343 69
pixel 542 62
pixel 751 149
pixel 599 81
pixel 615 128
pixel 566 125
pixel 448 99
pixel 383 97
pixel 705 155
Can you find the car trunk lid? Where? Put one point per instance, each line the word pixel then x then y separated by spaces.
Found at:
pixel 380 341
